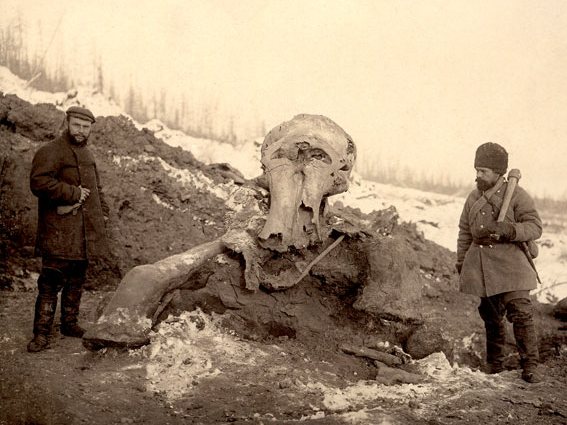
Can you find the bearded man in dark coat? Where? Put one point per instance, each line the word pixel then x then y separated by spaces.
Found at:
pixel 71 224
pixel 493 263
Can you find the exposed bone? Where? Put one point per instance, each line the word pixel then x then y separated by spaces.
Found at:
pixel 166 299
pixel 241 241
pixel 127 319
pixel 305 160
pixel 389 359
pixel 319 258
pixel 390 349
pixel 283 221
pixel 389 375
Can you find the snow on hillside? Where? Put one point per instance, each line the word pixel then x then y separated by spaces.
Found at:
pixel 245 157
pixel 435 215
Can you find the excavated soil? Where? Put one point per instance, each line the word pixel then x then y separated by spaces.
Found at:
pixel 211 366
pixel 140 229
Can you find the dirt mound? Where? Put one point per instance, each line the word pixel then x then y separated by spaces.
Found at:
pixel 153 213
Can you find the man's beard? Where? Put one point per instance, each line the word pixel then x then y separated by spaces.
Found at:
pixel 483 185
pixel 78 139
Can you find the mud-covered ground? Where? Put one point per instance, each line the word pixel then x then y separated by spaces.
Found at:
pixel 195 372
pixel 197 369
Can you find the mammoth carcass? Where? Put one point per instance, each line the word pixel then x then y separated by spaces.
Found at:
pixel 304 161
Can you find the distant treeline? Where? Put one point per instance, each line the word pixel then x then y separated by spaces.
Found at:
pixel 14 56
pixel 401 176
pixel 553 206
pixel 194 116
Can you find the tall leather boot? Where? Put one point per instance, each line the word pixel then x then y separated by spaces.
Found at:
pixel 521 316
pixel 71 300
pixel 495 342
pixel 492 313
pixel 48 283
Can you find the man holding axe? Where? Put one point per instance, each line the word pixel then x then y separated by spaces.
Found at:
pixel 498 220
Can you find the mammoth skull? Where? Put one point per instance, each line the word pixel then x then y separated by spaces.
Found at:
pixel 305 160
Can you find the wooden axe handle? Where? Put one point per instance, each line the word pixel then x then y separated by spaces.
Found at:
pixel 513 176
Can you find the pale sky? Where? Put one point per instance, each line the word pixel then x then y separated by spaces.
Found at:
pixel 421 83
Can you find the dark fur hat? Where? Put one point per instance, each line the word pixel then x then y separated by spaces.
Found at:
pixel 493 156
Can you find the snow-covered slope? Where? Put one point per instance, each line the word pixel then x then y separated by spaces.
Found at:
pixel 435 215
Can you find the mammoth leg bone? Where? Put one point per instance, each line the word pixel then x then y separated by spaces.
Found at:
pixel 127 319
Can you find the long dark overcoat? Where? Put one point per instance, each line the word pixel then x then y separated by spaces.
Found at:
pixel 58 169
pixel 490 268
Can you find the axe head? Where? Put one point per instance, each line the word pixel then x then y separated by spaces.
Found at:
pixel 514 173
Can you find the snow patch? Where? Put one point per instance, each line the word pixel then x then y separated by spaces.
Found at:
pixel 189 348
pixel 444 381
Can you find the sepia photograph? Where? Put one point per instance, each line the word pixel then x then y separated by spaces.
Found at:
pixel 333 212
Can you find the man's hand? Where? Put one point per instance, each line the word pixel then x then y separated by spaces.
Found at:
pixel 483 233
pixel 502 231
pixel 84 194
